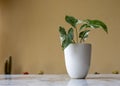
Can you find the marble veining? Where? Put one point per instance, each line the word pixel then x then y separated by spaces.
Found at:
pixel 59 80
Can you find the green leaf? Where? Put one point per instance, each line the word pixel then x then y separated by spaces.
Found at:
pixel 70 34
pixel 84 26
pixel 84 34
pixel 62 33
pixel 97 24
pixel 66 39
pixel 66 42
pixel 71 20
pixel 62 30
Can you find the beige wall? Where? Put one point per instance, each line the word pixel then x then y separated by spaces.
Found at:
pixel 31 33
pixel 1 59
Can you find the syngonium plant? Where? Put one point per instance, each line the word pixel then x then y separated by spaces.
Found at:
pixel 81 32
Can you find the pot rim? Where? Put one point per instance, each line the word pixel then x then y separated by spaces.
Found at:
pixel 80 44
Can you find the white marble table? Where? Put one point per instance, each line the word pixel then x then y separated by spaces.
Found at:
pixel 59 80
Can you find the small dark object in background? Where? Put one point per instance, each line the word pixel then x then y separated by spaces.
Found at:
pixel 25 73
pixel 8 65
pixel 96 73
pixel 115 72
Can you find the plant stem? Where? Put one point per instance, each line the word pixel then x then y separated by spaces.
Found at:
pixel 81 41
pixel 76 35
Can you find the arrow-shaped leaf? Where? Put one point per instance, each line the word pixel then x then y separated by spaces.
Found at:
pixel 62 33
pixel 71 20
pixel 96 24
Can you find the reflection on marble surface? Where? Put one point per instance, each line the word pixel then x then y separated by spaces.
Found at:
pixel 77 82
pixel 59 80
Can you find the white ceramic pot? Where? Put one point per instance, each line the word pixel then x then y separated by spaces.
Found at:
pixel 77 60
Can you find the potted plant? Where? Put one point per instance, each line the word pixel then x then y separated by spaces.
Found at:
pixel 78 53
